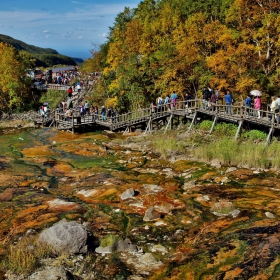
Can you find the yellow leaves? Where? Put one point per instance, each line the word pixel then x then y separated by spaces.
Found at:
pixel 112 102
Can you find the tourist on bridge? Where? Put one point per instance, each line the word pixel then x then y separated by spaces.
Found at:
pixel 166 102
pixel 206 95
pixel 114 115
pixel 68 114
pixel 82 110
pixel 173 97
pixel 109 112
pixel 70 91
pixel 159 104
pixel 187 98
pixel 257 105
pixel 103 113
pixel 78 87
pixel 278 102
pixel 273 109
pixel 247 103
pixel 228 100
pixel 213 101
pixel 86 108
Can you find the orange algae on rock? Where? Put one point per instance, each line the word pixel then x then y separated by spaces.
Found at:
pixel 38 151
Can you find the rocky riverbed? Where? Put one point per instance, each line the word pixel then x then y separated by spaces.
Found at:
pixel 110 208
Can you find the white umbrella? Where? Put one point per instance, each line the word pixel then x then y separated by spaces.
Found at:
pixel 256 92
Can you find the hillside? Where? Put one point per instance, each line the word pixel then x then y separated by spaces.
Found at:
pixel 45 57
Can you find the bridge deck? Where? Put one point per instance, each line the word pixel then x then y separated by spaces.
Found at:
pixel 144 116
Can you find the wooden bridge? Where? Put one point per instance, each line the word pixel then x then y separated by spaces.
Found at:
pixel 193 110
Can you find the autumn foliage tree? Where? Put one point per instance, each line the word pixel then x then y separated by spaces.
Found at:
pixel 14 87
pixel 166 45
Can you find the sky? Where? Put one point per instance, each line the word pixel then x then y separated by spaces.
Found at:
pixel 71 27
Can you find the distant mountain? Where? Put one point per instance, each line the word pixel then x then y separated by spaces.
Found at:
pixel 45 57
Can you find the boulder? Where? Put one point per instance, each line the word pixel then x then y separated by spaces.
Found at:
pixel 119 246
pixel 52 273
pixel 66 238
pixel 151 215
pixel 129 193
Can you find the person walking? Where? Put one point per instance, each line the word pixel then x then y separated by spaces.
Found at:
pixel 174 97
pixel 159 103
pixel 86 108
pixel 70 91
pixel 273 107
pixel 257 105
pixel 228 100
pixel 247 103
pixel 213 101
pixel 103 113
pixel 187 99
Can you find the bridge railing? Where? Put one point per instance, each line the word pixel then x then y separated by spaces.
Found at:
pixel 233 112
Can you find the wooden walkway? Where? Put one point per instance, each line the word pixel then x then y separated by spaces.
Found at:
pixel 194 110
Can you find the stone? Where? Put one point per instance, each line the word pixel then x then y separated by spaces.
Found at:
pixel 57 203
pixel 224 209
pixel 141 264
pixel 51 273
pixel 203 198
pixel 189 185
pixel 119 246
pixel 66 238
pixel 231 169
pixel 125 246
pixel 129 193
pixel 159 248
pixel 164 208
pixel 151 189
pixel 151 215
pixel 270 215
pixel 216 163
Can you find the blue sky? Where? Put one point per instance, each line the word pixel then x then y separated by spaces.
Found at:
pixel 72 28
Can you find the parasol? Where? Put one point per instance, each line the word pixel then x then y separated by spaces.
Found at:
pixel 256 92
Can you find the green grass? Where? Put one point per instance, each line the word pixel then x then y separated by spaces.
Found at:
pixel 54 97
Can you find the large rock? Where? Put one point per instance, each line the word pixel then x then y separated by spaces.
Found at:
pixel 66 237
pixel 129 193
pixel 52 273
pixel 119 246
pixel 151 215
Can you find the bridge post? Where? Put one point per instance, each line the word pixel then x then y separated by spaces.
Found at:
pixel 238 130
pixel 169 123
pixel 269 134
pixel 149 126
pixel 193 120
pixel 213 124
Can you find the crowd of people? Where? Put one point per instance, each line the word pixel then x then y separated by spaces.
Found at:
pixel 211 98
pixel 85 109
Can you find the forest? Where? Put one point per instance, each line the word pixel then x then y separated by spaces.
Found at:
pixel 168 45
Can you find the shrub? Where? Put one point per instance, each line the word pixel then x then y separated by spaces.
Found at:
pixel 255 135
pixel 225 129
pixel 205 125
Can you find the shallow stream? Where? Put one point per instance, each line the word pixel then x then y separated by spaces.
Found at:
pixel 213 223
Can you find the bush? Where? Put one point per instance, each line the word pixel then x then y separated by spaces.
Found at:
pixel 255 135
pixel 225 129
pixel 205 125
